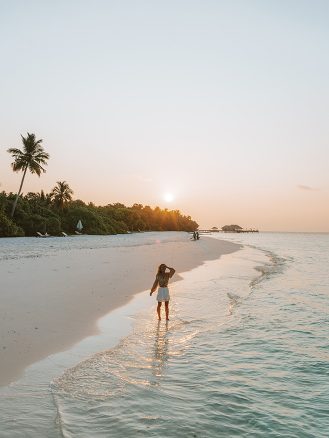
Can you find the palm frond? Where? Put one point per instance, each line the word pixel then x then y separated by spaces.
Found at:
pixel 33 155
pixel 41 157
pixel 35 167
pixel 18 164
pixel 15 151
pixel 61 193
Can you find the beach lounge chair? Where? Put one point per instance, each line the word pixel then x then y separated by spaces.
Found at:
pixel 42 235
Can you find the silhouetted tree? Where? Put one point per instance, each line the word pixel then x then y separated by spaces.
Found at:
pixel 61 194
pixel 31 158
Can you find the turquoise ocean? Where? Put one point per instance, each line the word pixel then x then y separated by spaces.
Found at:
pixel 245 354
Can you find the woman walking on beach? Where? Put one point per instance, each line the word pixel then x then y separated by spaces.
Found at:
pixel 162 279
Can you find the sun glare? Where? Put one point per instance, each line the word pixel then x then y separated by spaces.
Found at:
pixel 168 197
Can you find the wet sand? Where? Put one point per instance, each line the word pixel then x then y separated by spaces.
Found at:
pixel 50 303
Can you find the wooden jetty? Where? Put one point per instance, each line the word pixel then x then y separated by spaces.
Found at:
pixel 247 230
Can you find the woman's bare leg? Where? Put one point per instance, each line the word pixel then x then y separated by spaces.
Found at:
pixel 167 310
pixel 159 310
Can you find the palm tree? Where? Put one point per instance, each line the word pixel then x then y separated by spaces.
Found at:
pixel 61 194
pixel 32 157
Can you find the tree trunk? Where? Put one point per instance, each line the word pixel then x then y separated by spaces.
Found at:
pixel 19 192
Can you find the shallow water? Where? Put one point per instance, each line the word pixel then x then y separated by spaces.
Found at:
pixel 245 354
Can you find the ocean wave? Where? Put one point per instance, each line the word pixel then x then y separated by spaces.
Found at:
pixel 275 266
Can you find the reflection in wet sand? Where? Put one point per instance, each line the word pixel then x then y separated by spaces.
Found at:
pixel 160 353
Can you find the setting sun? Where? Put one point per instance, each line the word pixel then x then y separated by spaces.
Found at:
pixel 168 197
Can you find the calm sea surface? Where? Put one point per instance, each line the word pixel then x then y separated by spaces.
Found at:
pixel 245 354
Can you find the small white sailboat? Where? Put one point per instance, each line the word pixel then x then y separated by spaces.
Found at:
pixel 79 227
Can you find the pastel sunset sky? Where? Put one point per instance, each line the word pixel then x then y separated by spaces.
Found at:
pixel 222 104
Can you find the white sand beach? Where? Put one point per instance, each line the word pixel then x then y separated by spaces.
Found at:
pixel 50 303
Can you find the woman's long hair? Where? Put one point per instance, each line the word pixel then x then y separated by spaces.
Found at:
pixel 160 268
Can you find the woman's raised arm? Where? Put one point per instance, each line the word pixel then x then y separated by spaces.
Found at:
pixel 172 271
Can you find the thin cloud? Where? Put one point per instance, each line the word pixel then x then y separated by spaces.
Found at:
pixel 308 188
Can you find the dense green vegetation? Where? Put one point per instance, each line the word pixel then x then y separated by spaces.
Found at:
pixel 55 212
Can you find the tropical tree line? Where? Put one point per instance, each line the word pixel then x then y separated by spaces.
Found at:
pixel 57 212
pixel 54 213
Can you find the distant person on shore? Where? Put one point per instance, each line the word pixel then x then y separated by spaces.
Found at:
pixel 197 235
pixel 161 280
pixel 194 235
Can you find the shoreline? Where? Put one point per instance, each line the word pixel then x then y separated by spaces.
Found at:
pixel 40 400
pixel 50 304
